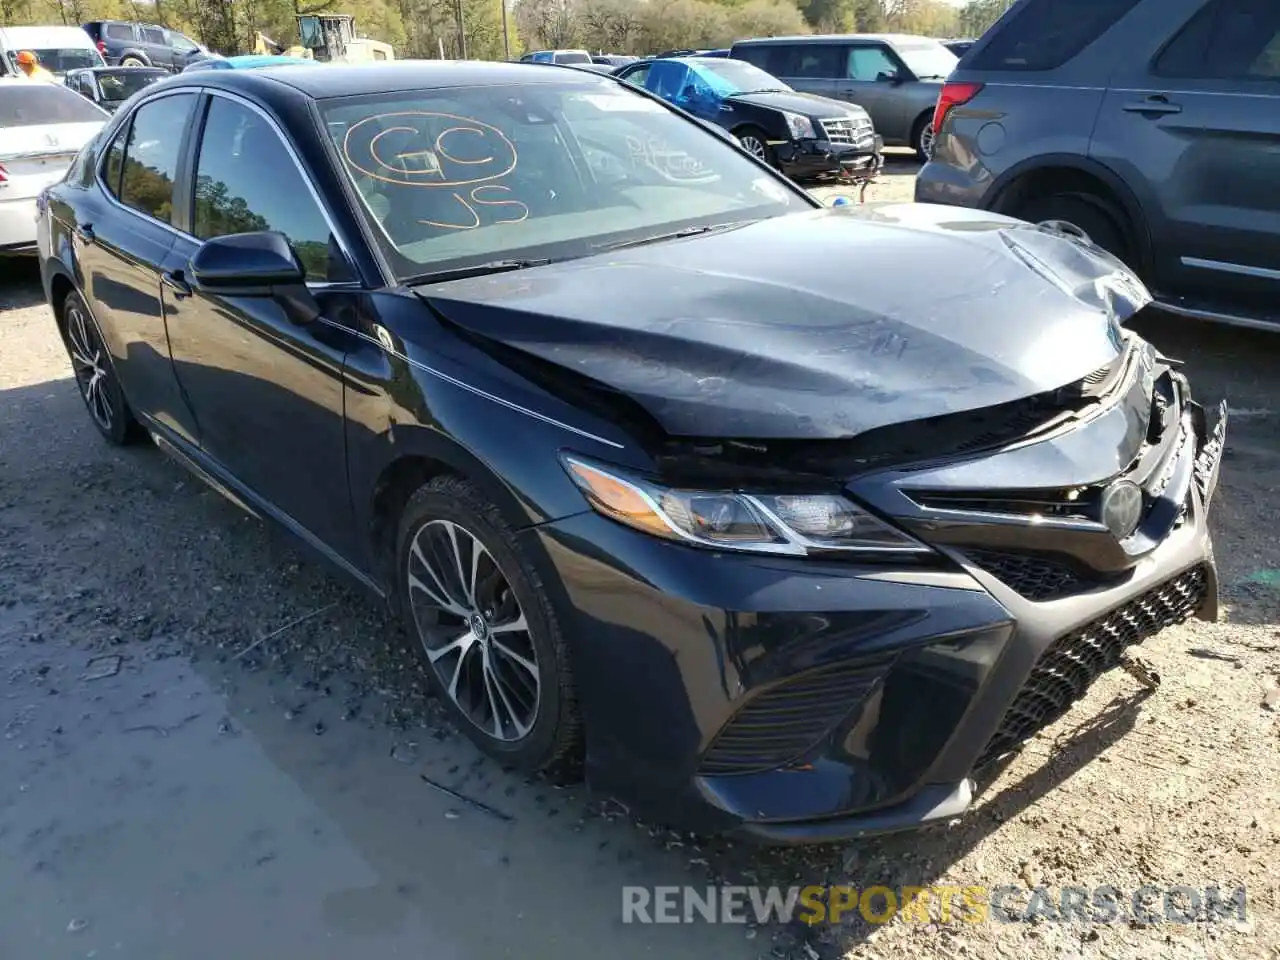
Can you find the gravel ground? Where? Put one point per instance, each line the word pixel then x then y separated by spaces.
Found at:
pixel 177 779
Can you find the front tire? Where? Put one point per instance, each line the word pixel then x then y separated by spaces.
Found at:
pixel 756 142
pixel 95 375
pixel 486 631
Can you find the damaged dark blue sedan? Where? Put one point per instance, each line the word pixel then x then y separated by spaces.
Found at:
pixel 777 517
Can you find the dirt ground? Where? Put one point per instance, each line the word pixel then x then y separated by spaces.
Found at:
pixel 180 780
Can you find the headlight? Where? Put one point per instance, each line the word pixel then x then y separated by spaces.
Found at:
pixel 801 127
pixel 795 524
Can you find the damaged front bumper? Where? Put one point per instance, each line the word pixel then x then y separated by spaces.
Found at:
pixel 811 700
pixel 811 158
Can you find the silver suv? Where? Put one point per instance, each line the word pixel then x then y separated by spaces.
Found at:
pixel 894 77
pixel 1152 125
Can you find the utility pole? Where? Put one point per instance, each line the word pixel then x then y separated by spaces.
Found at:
pixel 462 34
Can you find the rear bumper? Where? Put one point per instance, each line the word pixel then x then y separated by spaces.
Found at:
pixel 17 224
pixel 801 159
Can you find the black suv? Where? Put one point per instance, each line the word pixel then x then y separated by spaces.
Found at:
pixel 1153 125
pixel 128 44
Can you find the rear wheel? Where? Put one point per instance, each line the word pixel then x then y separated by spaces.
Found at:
pixel 922 137
pixel 1089 213
pixel 95 375
pixel 132 61
pixel 487 632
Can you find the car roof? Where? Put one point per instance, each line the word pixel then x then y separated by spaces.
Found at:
pixel 837 37
pixel 357 79
pixel 39 36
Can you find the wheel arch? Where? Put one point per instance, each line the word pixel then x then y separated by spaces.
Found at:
pixel 1067 173
pixel 422 454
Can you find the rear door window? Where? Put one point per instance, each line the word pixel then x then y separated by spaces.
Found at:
pixel 1227 40
pixel 151 155
pixel 818 61
pixel 1045 34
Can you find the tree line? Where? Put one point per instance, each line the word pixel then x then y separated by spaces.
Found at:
pixel 425 28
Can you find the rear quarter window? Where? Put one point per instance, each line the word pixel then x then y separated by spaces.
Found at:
pixel 1045 34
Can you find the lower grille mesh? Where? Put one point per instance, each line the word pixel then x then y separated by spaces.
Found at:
pixel 1036 578
pixel 1071 664
pixel 781 724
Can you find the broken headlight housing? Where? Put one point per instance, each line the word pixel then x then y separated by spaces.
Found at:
pixel 793 524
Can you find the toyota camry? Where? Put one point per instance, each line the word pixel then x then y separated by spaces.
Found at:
pixel 768 516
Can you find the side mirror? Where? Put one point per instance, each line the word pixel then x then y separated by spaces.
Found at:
pixel 255 265
pixel 886 77
pixel 688 93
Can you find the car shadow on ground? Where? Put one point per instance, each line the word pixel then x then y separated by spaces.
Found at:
pixel 19 282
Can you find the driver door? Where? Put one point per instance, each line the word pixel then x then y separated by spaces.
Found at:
pixel 867 80
pixel 267 391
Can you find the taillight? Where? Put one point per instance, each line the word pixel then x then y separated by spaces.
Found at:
pixel 4 176
pixel 954 93
pixel 102 46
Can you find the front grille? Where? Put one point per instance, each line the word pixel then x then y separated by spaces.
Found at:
pixel 1071 664
pixel 858 132
pixel 781 724
pixel 1034 577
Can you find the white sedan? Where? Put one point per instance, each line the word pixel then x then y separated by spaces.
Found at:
pixel 42 128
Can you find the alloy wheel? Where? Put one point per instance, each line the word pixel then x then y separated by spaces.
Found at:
pixel 473 630
pixel 926 139
pixel 754 146
pixel 89 362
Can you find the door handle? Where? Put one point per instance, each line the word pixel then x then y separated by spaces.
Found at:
pixel 85 233
pixel 176 284
pixel 1155 105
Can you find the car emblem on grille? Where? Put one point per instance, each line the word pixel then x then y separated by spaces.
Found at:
pixel 1122 508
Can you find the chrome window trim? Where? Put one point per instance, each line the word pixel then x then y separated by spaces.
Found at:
pixel 289 148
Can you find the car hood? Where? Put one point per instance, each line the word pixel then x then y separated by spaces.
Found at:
pixel 809 104
pixel 817 325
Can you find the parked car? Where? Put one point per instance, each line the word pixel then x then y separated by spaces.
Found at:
pixel 613 59
pixel 895 78
pixel 959 47
pixel 109 87
pixel 556 56
pixel 751 547
pixel 59 49
pixel 800 134
pixel 724 52
pixel 251 61
pixel 1152 125
pixel 128 44
pixel 42 128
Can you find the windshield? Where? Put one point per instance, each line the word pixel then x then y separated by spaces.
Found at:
pixel 60 59
pixel 123 85
pixel 728 77
pixel 465 175
pixel 928 61
pixel 37 104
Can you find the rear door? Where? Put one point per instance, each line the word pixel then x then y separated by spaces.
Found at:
pixel 814 68
pixel 121 247
pixel 1193 123
pixel 267 392
pixel 119 37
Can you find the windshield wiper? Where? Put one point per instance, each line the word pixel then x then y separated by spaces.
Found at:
pixel 932 76
pixel 475 270
pixel 764 90
pixel 675 235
